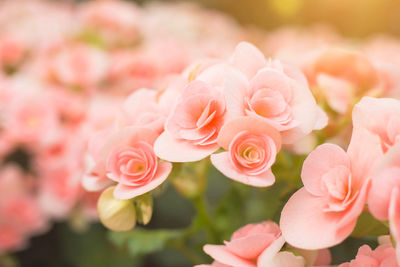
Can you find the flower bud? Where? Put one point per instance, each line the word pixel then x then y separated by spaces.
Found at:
pixel 144 208
pixel 115 214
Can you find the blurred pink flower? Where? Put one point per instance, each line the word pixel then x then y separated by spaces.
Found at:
pixel 383 255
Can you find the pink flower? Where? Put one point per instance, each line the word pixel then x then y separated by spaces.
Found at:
pixel 80 65
pixel 192 128
pixel 274 92
pixel 381 117
pixel 386 179
pixel 252 146
pixel 382 256
pixel 384 195
pixel 250 246
pixel 325 211
pixel 132 163
pixel 146 108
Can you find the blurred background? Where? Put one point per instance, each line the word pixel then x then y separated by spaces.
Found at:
pixel 64 247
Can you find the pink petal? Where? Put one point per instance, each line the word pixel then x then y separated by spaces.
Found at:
pixel 250 247
pixel 126 136
pixel 318 163
pixel 127 192
pixel 250 124
pixel 95 183
pixel 269 253
pixel 364 152
pixel 305 225
pixel 223 255
pixel 222 163
pixel 286 259
pixel 175 150
pixel 235 90
pixel 248 59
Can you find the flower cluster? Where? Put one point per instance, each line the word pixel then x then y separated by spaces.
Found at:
pixel 64 71
pixel 103 103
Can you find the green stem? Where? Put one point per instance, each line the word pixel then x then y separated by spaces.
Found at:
pixel 189 254
pixel 205 220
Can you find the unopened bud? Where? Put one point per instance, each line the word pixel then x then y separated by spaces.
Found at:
pixel 144 208
pixel 115 214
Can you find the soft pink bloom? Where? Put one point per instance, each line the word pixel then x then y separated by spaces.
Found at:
pixel 382 256
pixel 27 117
pixel 325 211
pixel 386 179
pixel 250 246
pixel 20 213
pixel 117 22
pixel 342 76
pixel 381 117
pixel 132 163
pixel 80 66
pixel 146 108
pixel 11 51
pixel 192 127
pixel 275 92
pixel 384 197
pixel 252 146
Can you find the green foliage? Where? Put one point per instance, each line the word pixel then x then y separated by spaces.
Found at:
pixel 140 241
pixel 367 225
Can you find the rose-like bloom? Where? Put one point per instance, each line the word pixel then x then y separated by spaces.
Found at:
pixel 341 76
pixel 252 146
pixel 253 245
pixel 79 65
pixel 384 195
pixel 117 22
pixel 274 92
pixel 27 117
pixel 325 211
pixel 147 108
pixel 192 128
pixel 382 256
pixel 380 116
pixel 131 162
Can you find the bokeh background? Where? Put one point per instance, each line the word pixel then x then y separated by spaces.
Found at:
pixel 91 247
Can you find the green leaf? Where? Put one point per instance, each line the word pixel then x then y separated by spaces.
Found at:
pixel 367 225
pixel 140 241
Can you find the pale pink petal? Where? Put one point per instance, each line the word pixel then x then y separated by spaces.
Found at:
pixel 127 192
pixel 248 59
pixel 251 246
pixel 223 164
pixel 235 90
pixel 95 183
pixel 269 253
pixel 175 150
pixel 250 124
pixel 304 224
pixel 364 152
pixel 285 259
pixel 338 92
pixel 221 254
pixel 318 163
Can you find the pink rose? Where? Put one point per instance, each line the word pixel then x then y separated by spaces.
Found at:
pixel 380 116
pixel 147 108
pixel 384 195
pixel 252 146
pixel 274 92
pixel 132 163
pixel 250 246
pixel 192 127
pixel 382 256
pixel 80 65
pixel 325 211
pixel 386 179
